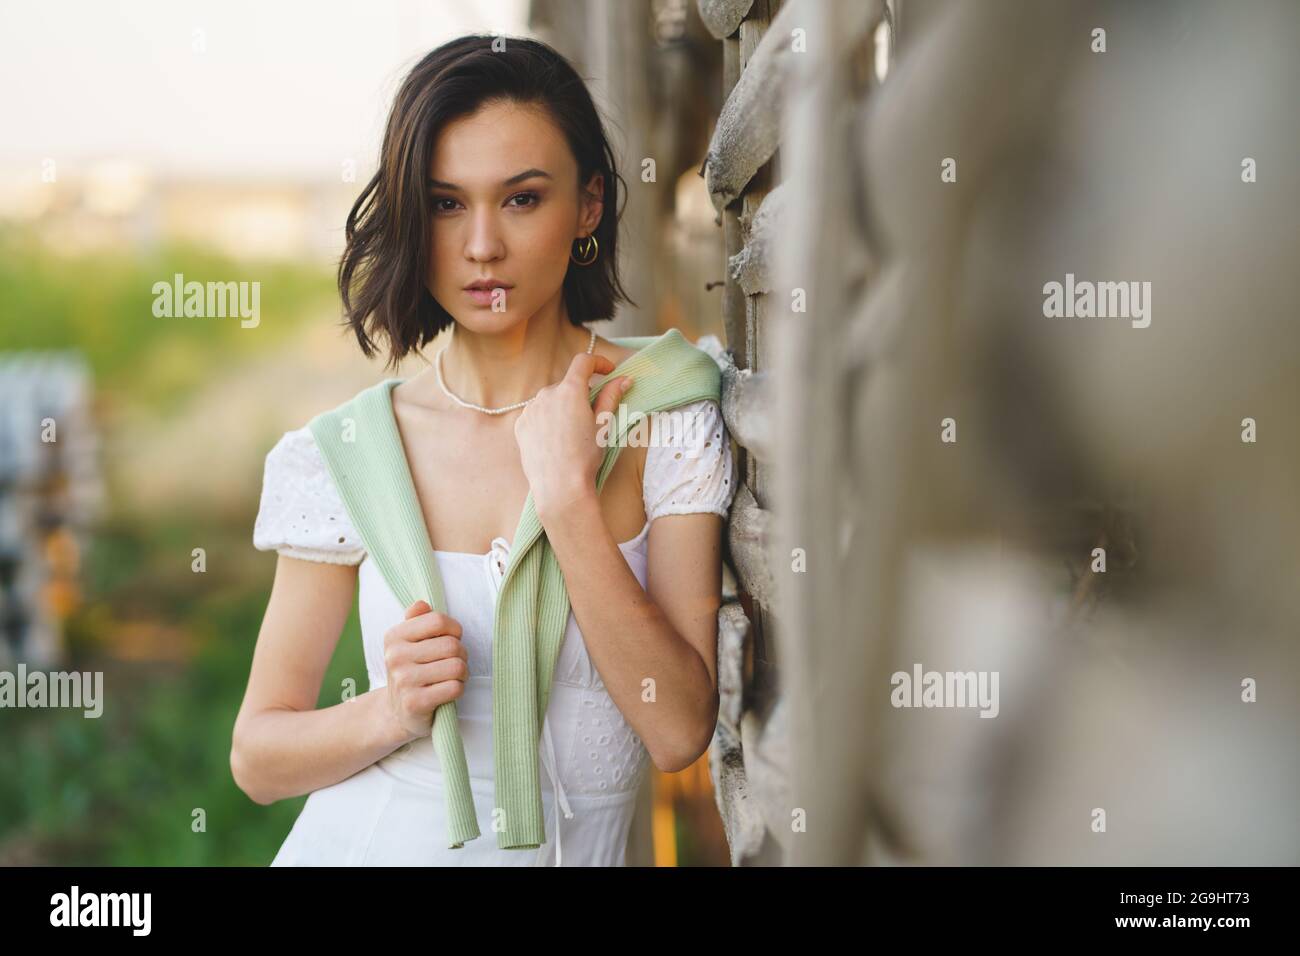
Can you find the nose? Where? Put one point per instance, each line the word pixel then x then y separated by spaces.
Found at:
pixel 484 243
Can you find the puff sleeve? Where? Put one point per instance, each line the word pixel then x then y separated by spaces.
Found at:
pixel 689 465
pixel 301 514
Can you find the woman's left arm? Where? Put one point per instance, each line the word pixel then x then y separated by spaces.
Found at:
pixel 655 649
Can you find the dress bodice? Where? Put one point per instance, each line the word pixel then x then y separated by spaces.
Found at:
pixel 592 763
pixel 588 750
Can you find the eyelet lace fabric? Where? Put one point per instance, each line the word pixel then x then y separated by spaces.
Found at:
pixel 689 462
pixel 301 514
pixel 589 754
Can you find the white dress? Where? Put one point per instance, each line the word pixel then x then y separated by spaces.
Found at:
pixel 393 813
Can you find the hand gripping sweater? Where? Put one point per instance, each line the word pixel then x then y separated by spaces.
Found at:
pixel 363 451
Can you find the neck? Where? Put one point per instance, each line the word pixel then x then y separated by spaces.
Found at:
pixel 493 369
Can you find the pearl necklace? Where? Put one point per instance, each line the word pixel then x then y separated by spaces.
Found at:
pixel 437 368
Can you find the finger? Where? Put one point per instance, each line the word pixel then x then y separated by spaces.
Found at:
pixel 403 654
pixel 584 366
pixel 426 624
pixel 429 699
pixel 437 648
pixel 418 608
pixel 434 624
pixel 610 394
pixel 435 672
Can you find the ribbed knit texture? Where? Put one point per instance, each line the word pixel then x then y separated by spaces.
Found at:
pixel 363 450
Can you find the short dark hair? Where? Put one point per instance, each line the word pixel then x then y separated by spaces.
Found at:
pixel 381 274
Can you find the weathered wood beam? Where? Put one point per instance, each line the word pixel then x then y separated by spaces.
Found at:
pixel 748 534
pixel 749 126
pixel 747 410
pixel 753 266
pixel 722 17
pixel 733 631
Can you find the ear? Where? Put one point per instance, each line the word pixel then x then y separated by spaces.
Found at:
pixel 592 204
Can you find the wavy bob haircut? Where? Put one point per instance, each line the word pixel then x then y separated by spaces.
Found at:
pixel 382 272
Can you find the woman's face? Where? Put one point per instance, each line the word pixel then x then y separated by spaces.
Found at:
pixel 519 231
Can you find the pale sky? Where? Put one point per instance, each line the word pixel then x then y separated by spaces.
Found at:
pixel 286 87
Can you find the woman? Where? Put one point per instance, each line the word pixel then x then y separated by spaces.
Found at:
pixel 493 213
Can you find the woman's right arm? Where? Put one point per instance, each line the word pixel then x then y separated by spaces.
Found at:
pixel 283 745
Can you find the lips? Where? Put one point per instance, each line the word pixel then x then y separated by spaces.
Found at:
pixel 483 294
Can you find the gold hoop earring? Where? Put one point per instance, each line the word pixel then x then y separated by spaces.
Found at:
pixel 589 253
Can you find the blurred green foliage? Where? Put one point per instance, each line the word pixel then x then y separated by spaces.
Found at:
pixel 122 789
pixel 101 304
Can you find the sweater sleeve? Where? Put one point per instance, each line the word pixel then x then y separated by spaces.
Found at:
pixel 689 462
pixel 301 514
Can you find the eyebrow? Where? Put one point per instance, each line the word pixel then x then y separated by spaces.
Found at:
pixel 517 178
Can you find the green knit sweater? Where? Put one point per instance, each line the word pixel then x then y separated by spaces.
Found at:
pixel 363 450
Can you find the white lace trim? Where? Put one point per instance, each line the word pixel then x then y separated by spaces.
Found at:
pixel 325 557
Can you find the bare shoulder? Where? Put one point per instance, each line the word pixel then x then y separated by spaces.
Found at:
pixel 615 353
pixel 418 395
